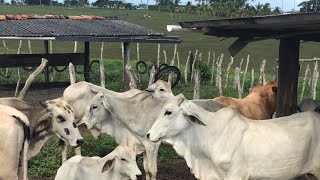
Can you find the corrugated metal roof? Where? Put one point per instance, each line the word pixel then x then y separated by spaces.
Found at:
pixel 70 27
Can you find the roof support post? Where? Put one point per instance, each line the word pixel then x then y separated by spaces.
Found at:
pixel 46 51
pixel 86 66
pixel 126 61
pixel 288 77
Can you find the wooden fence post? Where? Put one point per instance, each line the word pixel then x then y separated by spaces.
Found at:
pixel 102 75
pixel 315 77
pixel 72 73
pixel 240 65
pixel 152 75
pixel 218 63
pixel 165 57
pixel 193 64
pixel 304 82
pixel 158 57
pixel 252 78
pixel 212 69
pixel 186 69
pixel 209 53
pixel 197 79
pixel 262 77
pixel 228 70
pixel 237 80
pixel 245 72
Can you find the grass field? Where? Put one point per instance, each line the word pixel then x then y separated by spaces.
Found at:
pixel 191 41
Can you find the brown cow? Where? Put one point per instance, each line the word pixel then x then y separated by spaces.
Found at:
pixel 259 104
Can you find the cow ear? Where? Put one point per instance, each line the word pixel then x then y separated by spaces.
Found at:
pixel 195 120
pixel 138 149
pixel 191 115
pixel 42 125
pixel 43 104
pixel 108 165
pixel 274 89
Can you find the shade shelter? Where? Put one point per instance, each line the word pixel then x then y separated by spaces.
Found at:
pixel 290 29
pixel 85 29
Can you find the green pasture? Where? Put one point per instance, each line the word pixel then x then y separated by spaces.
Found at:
pixel 191 41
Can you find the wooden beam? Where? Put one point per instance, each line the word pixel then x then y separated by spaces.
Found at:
pixel 126 60
pixel 86 66
pixel 288 77
pixel 46 51
pixel 33 60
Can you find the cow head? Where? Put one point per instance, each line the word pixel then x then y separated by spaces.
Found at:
pixel 175 116
pixel 160 89
pixel 123 161
pixel 97 111
pixel 59 119
pixel 308 105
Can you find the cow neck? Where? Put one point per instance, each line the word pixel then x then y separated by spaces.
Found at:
pixel 37 142
pixel 114 128
pixel 139 112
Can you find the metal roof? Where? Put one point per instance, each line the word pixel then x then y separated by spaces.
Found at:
pixel 303 26
pixel 260 26
pixel 80 30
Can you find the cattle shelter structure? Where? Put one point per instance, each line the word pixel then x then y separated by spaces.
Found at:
pixel 83 28
pixel 290 29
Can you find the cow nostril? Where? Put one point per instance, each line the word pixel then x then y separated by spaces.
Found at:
pixel 80 142
pixel 148 135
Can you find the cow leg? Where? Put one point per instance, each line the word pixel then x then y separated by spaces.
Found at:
pixel 64 147
pixel 152 155
pixel 145 165
pixel 77 151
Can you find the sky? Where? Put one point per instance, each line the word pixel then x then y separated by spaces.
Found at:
pixel 288 5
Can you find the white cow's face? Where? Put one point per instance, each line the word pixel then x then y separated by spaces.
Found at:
pixel 124 163
pixel 61 121
pixel 96 112
pixel 160 89
pixel 175 117
pixel 170 122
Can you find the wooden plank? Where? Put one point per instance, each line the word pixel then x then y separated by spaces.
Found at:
pixel 86 67
pixel 46 51
pixel 33 60
pixel 288 77
pixel 126 59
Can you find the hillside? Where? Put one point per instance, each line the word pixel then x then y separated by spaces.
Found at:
pixel 157 21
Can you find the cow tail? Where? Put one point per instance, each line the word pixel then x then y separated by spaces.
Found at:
pixel 25 149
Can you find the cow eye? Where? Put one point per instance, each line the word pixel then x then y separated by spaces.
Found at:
pixel 94 106
pixel 123 159
pixel 74 125
pixel 162 90
pixel 61 119
pixel 167 113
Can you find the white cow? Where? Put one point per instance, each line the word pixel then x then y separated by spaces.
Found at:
pixel 14 143
pixel 119 164
pixel 52 117
pixel 129 119
pixel 226 145
pixel 78 95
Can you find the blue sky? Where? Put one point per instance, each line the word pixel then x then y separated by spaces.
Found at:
pixel 287 4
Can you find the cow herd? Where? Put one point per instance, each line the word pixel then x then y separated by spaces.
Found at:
pixel 219 138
